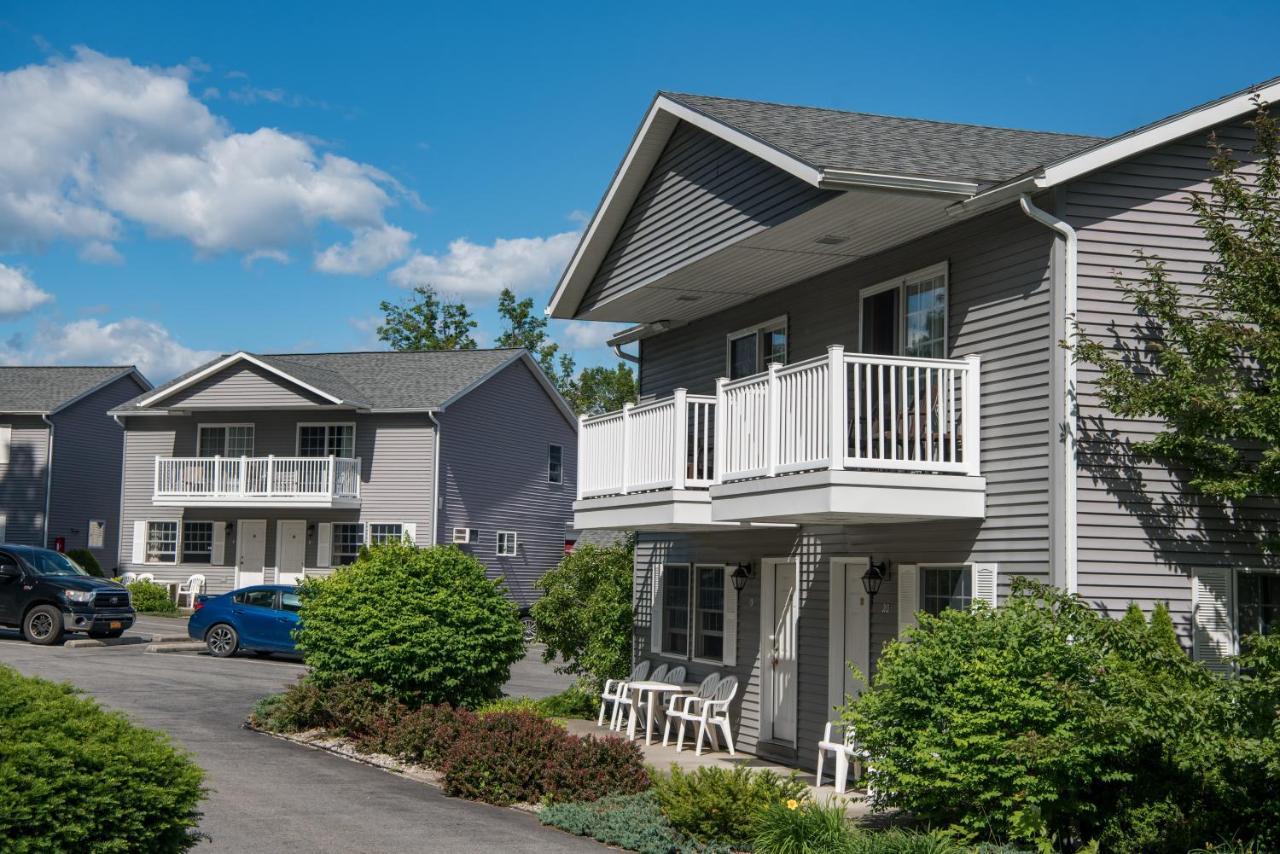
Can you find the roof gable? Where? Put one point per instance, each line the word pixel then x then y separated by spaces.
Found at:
pixel 243 384
pixel 49 389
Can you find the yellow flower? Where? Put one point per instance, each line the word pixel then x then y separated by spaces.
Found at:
pixel 792 804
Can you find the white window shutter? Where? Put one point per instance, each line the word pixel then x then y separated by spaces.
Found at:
pixel 1213 617
pixel 984 583
pixel 655 612
pixel 410 532
pixel 139 541
pixel 730 619
pixel 6 438
pixel 219 556
pixel 324 544
pixel 908 595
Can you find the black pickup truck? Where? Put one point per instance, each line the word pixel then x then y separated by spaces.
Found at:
pixel 45 593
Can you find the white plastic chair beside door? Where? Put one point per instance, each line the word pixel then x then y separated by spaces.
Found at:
pixel 193 587
pixel 845 750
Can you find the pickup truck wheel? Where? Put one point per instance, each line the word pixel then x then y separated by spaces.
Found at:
pixel 222 640
pixel 43 625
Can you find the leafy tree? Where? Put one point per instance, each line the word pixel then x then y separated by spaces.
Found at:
pixel 602 389
pixel 584 615
pixel 1205 362
pixel 425 322
pixel 528 329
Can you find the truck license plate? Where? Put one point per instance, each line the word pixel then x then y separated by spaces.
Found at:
pixel 115 624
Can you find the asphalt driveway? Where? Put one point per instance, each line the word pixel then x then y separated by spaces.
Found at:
pixel 271 795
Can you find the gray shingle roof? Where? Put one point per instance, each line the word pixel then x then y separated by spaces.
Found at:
pixel 832 139
pixel 378 380
pixel 45 389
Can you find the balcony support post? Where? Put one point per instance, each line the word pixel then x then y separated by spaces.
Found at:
pixel 626 444
pixel 271 474
pixel 973 415
pixel 680 423
pixel 217 474
pixel 333 475
pixel 582 458
pixel 839 404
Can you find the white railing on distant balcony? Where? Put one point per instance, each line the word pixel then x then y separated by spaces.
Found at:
pixel 257 477
pixel 663 444
pixel 851 410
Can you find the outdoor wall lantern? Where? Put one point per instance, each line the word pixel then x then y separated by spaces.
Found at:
pixel 739 576
pixel 874 576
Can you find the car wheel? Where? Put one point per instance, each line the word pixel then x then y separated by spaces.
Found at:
pixel 222 640
pixel 530 629
pixel 43 625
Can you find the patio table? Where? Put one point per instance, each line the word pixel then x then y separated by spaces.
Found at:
pixel 654 690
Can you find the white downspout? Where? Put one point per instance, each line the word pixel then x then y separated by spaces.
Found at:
pixel 48 483
pixel 435 480
pixel 1064 408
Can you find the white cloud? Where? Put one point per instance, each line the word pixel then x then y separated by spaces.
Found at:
pixel 131 341
pixel 586 335
pixel 521 263
pixel 18 294
pixel 93 142
pixel 98 252
pixel 368 252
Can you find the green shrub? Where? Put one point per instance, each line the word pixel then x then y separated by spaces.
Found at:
pixel 792 827
pixel 419 625
pixel 713 804
pixel 634 822
pixel 74 777
pixel 1048 723
pixel 87 561
pixel 573 702
pixel 151 598
pixel 584 615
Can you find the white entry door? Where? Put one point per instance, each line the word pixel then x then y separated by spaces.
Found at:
pixel 780 582
pixel 291 550
pixel 251 551
pixel 849 637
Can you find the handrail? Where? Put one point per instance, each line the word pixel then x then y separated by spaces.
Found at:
pixel 257 477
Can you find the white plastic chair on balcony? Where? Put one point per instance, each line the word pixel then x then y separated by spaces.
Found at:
pixel 625 700
pixel 193 588
pixel 615 689
pixel 846 751
pixel 710 715
pixel 688 700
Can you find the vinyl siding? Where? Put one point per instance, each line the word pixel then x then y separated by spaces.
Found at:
pixel 396 469
pixel 1130 548
pixel 242 386
pixel 702 195
pixel 24 479
pixel 493 452
pixel 88 449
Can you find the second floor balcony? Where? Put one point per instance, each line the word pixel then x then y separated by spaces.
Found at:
pixel 841 438
pixel 257 482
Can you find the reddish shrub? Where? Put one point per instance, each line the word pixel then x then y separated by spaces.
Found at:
pixel 589 768
pixel 502 758
pixel 426 735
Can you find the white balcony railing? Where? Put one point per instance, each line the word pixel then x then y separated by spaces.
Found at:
pixel 260 479
pixel 838 411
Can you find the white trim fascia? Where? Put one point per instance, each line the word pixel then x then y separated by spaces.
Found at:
pixel 240 356
pixel 844 179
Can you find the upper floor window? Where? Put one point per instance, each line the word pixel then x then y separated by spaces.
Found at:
pixel 749 351
pixel 326 440
pixel 945 587
pixel 907 316
pixel 507 544
pixel 555 464
pixel 225 440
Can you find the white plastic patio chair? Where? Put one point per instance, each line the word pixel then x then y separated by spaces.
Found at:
pixel 687 701
pixel 128 578
pixel 675 676
pixel 625 701
pixel 846 752
pixel 193 588
pixel 710 715
pixel 616 688
pixel 146 576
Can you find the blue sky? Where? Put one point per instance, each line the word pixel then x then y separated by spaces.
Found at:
pixel 178 180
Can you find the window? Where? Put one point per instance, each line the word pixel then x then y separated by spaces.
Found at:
pixel 709 623
pixel 907 316
pixel 383 534
pixel 225 440
pixel 290 601
pixel 675 610
pixel 464 535
pixel 347 540
pixel 257 598
pixel 97 533
pixel 945 587
pixel 1257 603
pixel 749 351
pixel 555 464
pixel 197 542
pixel 506 544
pixel 162 542
pixel 326 440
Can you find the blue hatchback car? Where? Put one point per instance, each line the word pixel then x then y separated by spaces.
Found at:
pixel 260 619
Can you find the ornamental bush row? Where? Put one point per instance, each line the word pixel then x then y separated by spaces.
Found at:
pixel 498 757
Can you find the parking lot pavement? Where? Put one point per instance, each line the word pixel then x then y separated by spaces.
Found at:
pixel 268 794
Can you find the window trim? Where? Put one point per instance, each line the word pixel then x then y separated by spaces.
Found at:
pixel 297 436
pixel 223 425
pixel 1236 571
pixel 467 536
pixel 922 568
pixel 333 542
pixel 900 283
pixel 782 321
pixel 368 532
pixel 182 541
pixel 88 534
pixel 515 544
pixel 177 543
pixel 550 479
pixel 692 612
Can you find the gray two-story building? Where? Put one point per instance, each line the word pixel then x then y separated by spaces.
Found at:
pixel 259 468
pixel 854 406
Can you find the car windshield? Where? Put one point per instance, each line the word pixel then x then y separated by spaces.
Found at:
pixel 44 562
